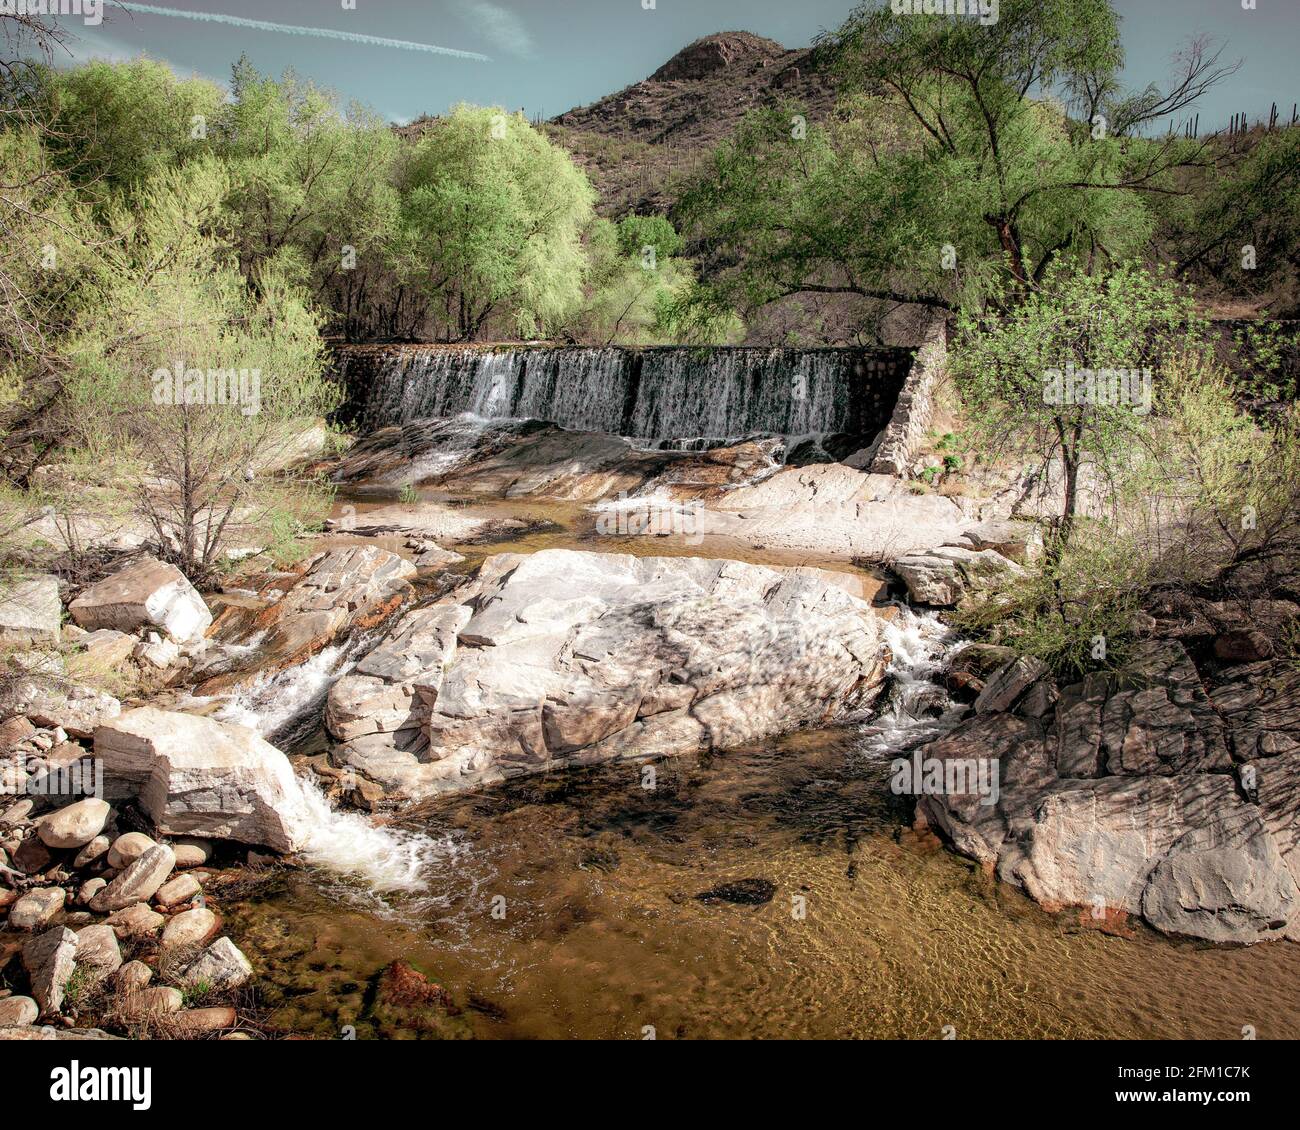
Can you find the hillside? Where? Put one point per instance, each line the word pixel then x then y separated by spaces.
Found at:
pixel 632 143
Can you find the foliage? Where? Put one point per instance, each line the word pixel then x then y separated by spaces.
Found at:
pixel 492 216
pixel 1068 374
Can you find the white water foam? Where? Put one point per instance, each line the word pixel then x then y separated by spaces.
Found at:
pixel 919 709
pixel 387 860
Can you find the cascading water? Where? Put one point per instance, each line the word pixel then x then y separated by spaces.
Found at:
pixel 918 709
pixel 652 395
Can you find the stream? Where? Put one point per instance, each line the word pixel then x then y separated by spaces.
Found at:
pixel 774 890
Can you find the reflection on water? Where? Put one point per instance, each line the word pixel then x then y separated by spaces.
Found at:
pixel 871 931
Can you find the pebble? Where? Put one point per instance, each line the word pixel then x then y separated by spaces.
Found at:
pixel 138 882
pixel 190 928
pixel 89 888
pixel 155 1001
pixel 126 849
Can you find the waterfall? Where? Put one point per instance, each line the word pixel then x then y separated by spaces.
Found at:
pixel 650 395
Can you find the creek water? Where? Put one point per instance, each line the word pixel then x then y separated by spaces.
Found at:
pixel 569 905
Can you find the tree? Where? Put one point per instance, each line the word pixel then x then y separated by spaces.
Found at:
pixel 492 217
pixel 963 161
pixel 1069 373
pixel 113 125
pixel 311 186
pixel 188 384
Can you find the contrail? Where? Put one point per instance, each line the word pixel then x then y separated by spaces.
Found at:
pixel 293 29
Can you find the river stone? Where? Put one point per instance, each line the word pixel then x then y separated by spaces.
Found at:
pixel 50 960
pixel 204 1019
pixel 150 593
pixel 138 921
pixel 18 1012
pixel 160 1000
pixel 30 611
pixel 50 701
pixel 90 888
pixel 1221 892
pixel 176 891
pixel 18 812
pixel 74 826
pixel 134 975
pixel 564 658
pixel 191 852
pixel 32 856
pixel 138 882
pixel 197 775
pixel 35 909
pixel 221 966
pixel 127 848
pixel 190 928
pixel 97 948
pixel 94 850
pixel 105 651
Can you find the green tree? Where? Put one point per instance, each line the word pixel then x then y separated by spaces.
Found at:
pixel 1070 372
pixel 492 218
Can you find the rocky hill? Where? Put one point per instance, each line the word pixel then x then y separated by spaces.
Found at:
pixel 634 142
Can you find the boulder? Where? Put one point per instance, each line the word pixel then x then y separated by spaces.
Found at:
pixel 150 593
pixel 75 825
pixel 137 883
pixel 134 975
pixel 1121 798
pixel 97 949
pixel 35 909
pixel 30 611
pixel 199 776
pixel 190 929
pixel 103 651
pixel 138 921
pixel 1018 541
pixel 942 577
pixel 18 1012
pixel 334 594
pixel 562 657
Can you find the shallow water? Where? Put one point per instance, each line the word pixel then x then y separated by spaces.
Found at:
pixel 565 905
pixel 603 934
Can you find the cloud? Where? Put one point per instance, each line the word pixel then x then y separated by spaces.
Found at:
pixel 294 29
pixel 500 27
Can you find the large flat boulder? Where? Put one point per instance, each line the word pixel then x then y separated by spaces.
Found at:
pixel 30 610
pixel 197 776
pixel 562 658
pixel 150 593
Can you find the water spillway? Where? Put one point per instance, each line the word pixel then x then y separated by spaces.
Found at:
pixel 659 394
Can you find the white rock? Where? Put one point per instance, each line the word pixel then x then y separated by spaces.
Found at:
pixel 30 611
pixel 149 592
pixel 138 882
pixel 74 826
pixel 35 909
pixel 221 966
pixel 196 775
pixel 127 848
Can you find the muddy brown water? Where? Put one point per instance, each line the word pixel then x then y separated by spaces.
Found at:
pixel 567 905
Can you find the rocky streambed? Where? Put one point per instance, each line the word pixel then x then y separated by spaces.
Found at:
pixel 622 771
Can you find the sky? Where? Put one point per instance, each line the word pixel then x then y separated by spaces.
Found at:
pixel 548 56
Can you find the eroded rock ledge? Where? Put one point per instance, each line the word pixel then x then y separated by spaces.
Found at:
pixel 1150 792
pixel 570 658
